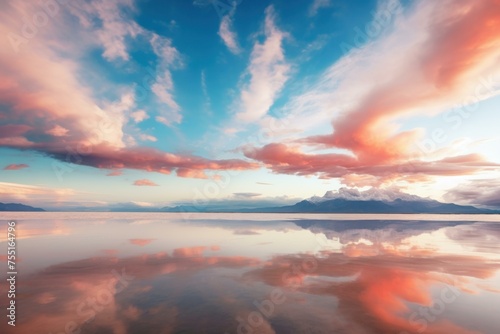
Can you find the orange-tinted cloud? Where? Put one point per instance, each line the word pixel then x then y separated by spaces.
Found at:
pixel 433 58
pixel 286 160
pixel 141 242
pixel 145 182
pixel 15 166
pixel 462 40
pixel 59 115
pixel 115 173
pixel 193 173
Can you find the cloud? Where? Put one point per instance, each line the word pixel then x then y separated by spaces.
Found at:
pixel 145 182
pixel 192 173
pixel 368 195
pixel 58 131
pixel 246 195
pixel 15 166
pixel 284 159
pixel 228 35
pixel 245 232
pixel 141 242
pixel 146 137
pixel 317 5
pixel 168 58
pixel 115 173
pixel 435 60
pixel 439 78
pixel 264 183
pixel 152 160
pixel 268 71
pixel 208 102
pixel 485 192
pixel 108 21
pixel 111 21
pixel 139 116
pixel 15 192
pixel 59 116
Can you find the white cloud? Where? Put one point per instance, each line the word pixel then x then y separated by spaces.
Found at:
pixel 388 194
pixel 394 41
pixel 228 35
pixel 111 28
pixel 146 137
pixel 16 192
pixel 317 5
pixel 110 22
pixel 268 72
pixel 139 116
pixel 163 88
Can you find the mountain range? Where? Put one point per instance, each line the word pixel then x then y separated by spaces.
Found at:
pixel 344 200
pixel 17 207
pixel 347 200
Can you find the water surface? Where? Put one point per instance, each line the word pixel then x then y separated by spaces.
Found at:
pixel 253 273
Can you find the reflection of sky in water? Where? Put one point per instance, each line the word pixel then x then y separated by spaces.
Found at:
pixel 213 273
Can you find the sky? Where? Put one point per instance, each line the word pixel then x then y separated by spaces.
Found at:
pixel 159 103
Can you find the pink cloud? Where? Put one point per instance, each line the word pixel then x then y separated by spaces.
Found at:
pixel 460 44
pixel 286 160
pixel 15 192
pixel 115 173
pixel 268 71
pixel 61 111
pixel 192 173
pixel 228 35
pixel 141 242
pixel 15 166
pixel 435 56
pixel 150 159
pixel 145 182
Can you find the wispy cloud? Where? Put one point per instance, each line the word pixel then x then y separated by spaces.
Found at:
pixel 141 242
pixel 15 166
pixel 228 35
pixel 268 71
pixel 145 182
pixel 116 172
pixel 317 5
pixel 204 90
pixel 146 137
pixel 70 124
pixel 246 195
pixel 32 194
pixel 113 28
pixel 366 104
pixel 168 59
pixel 484 192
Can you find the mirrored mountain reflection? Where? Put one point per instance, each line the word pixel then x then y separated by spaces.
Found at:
pixel 263 274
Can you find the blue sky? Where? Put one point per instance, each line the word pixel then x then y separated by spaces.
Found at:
pixel 167 102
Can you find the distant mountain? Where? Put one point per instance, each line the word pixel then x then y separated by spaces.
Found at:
pixel 341 205
pixel 349 200
pixel 345 200
pixel 188 208
pixel 17 207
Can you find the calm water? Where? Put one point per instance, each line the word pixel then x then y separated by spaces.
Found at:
pixel 253 273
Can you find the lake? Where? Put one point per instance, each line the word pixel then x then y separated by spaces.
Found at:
pixel 251 273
